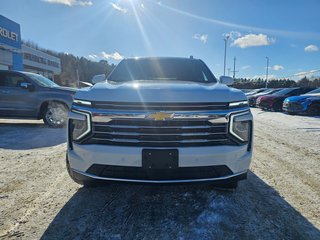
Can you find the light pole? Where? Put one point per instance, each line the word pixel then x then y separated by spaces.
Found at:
pixel 267 71
pixel 225 53
pixel 234 67
pixel 229 70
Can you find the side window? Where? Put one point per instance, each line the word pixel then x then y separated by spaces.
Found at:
pixel 14 80
pixel 295 92
pixel 204 77
pixel 305 90
pixel 3 80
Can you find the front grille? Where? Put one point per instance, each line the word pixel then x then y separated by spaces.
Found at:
pixel 138 173
pixel 252 101
pixel 263 104
pixel 150 133
pixel 135 106
pixel 293 106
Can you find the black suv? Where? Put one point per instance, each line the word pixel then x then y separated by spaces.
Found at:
pixel 32 96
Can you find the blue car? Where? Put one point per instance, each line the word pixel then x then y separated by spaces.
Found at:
pixel 308 103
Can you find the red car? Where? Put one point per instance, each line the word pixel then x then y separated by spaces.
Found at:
pixel 274 101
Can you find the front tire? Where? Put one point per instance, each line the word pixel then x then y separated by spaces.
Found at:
pixel 291 113
pixel 314 110
pixel 277 107
pixel 56 115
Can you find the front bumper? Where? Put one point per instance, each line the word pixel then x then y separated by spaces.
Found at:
pixel 83 176
pixel 294 107
pixel 252 102
pixel 265 104
pixel 196 164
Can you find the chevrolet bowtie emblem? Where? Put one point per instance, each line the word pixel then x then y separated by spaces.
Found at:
pixel 160 116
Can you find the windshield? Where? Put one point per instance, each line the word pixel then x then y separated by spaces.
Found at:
pixel 317 90
pixel 284 91
pixel 41 80
pixel 162 70
pixel 266 91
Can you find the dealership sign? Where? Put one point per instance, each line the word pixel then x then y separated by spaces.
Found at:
pixel 9 33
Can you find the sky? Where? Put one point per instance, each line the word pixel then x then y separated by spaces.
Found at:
pixel 287 32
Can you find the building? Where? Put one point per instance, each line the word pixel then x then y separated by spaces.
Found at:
pixel 39 62
pixel 10 45
pixel 14 55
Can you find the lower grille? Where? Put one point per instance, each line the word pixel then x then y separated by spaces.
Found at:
pixel 263 104
pixel 252 102
pixel 138 173
pixel 150 133
pixel 294 106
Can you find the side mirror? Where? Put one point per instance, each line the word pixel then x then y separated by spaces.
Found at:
pixel 26 85
pixel 226 80
pixel 98 78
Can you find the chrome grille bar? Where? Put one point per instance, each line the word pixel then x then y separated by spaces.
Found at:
pixel 138 127
pixel 139 141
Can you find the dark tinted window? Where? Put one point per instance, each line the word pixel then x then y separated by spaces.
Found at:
pixel 10 80
pixel 285 91
pixel 3 79
pixel 306 90
pixel 162 70
pixel 317 90
pixel 41 80
pixel 296 92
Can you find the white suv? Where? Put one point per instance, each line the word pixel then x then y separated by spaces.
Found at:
pixel 160 120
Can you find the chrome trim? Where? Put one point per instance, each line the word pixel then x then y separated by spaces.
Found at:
pixel 88 123
pixel 175 116
pixel 159 181
pixel 151 106
pixel 157 127
pixel 232 121
pixel 120 140
pixel 83 102
pixel 142 114
pixel 219 120
pixel 235 104
pixel 161 134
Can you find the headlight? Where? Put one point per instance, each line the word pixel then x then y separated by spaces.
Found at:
pixel 82 102
pixel 241 125
pixel 239 104
pixel 79 124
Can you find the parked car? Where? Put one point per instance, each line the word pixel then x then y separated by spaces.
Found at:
pixel 32 96
pixel 274 101
pixel 255 91
pixel 308 103
pixel 253 98
pixel 160 120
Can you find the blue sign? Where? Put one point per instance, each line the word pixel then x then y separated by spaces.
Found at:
pixel 9 33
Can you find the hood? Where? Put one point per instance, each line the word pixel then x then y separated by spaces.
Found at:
pixel 270 97
pixel 148 91
pixel 301 98
pixel 66 89
pixel 255 96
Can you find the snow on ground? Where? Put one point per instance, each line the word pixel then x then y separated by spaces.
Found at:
pixel 280 199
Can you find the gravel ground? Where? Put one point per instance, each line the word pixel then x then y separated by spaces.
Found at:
pixel 280 199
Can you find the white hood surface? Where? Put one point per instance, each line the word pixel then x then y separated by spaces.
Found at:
pixel 149 91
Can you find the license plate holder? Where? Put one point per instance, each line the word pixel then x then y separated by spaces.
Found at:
pixel 160 158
